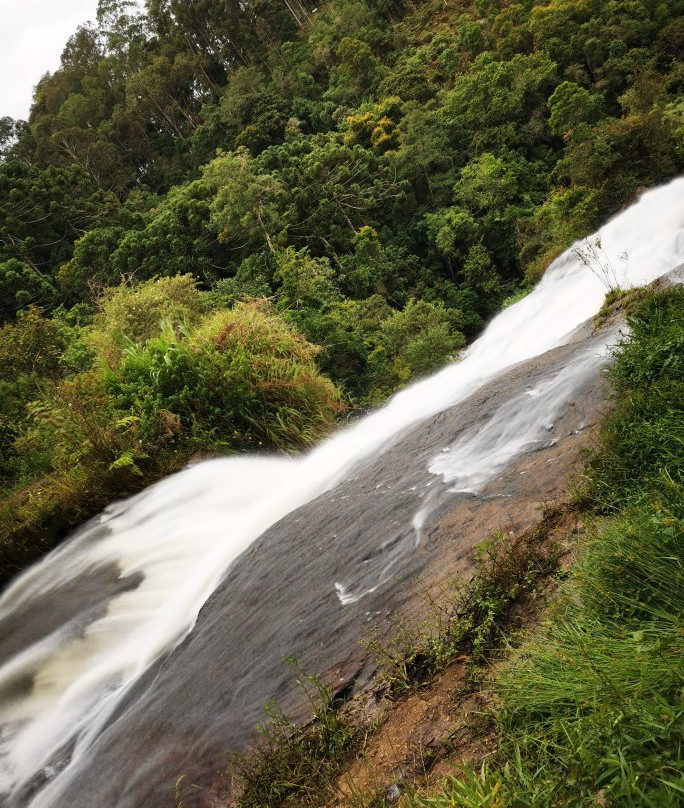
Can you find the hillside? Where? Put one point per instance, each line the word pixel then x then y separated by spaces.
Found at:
pixel 233 228
pixel 543 668
pixel 383 174
pixel 144 649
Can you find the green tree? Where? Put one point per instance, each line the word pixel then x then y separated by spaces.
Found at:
pixel 413 342
pixel 503 103
pixel 303 281
pixel 42 213
pixel 355 74
pixel 453 230
pixel 10 131
pixel 571 105
pixel 248 207
pixel 488 182
pixel 333 190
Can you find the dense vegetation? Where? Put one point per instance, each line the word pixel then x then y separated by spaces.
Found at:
pixel 385 174
pixel 160 374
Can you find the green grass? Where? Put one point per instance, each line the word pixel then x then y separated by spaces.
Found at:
pixel 592 708
pixel 642 443
pixel 296 765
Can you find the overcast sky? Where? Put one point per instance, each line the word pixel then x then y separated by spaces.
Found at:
pixel 33 34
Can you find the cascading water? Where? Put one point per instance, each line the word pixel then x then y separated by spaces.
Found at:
pixel 84 629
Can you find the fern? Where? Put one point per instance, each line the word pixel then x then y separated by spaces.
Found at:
pixel 127 460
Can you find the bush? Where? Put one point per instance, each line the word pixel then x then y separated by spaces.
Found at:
pixel 201 380
pixel 295 765
pixel 241 378
pixel 131 314
pixel 414 342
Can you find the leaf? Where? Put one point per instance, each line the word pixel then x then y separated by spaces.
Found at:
pixel 126 460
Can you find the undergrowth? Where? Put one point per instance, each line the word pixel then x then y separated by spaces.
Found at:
pixel 293 765
pixel 642 443
pixel 471 618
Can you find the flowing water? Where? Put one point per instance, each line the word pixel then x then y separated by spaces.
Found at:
pixel 87 636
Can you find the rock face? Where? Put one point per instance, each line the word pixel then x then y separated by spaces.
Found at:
pixel 315 583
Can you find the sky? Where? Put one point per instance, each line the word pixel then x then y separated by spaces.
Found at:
pixel 33 34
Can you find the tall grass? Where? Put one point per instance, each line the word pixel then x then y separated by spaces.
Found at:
pixel 470 618
pixel 642 443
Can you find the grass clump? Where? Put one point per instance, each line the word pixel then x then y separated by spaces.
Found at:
pixel 291 764
pixel 642 441
pixel 472 618
pixel 591 709
pixel 596 701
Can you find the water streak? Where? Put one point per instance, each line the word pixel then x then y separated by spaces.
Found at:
pixel 521 425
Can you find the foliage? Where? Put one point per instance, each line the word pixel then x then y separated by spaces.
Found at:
pixel 387 173
pixel 414 342
pixel 642 441
pixel 33 353
pixel 132 314
pixel 100 409
pixel 241 378
pixel 593 257
pixel 293 765
pixel 536 119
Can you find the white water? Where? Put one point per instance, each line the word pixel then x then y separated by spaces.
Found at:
pixel 518 426
pixel 183 533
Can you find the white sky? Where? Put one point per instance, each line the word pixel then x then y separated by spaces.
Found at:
pixel 33 34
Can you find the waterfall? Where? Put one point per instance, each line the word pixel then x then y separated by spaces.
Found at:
pixel 86 623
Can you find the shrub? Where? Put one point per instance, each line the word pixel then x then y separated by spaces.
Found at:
pixel 242 377
pixel 295 765
pixel 219 381
pixel 131 314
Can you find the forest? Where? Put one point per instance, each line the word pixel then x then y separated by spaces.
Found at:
pixel 227 225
